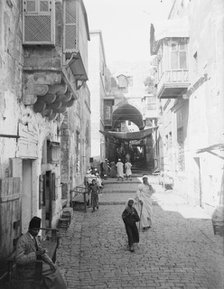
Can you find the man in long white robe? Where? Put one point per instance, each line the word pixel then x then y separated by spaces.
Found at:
pixel 120 170
pixel 128 171
pixel 143 201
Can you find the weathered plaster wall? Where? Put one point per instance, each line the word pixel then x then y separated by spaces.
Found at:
pixel 15 118
pixel 11 61
pixel 206 120
pixel 203 176
pixel 95 87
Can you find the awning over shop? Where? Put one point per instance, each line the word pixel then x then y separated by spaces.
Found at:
pixel 137 135
pixel 172 28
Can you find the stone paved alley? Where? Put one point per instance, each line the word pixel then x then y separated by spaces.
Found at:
pixel 180 251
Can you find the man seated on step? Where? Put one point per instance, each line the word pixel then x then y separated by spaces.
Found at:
pixel 28 251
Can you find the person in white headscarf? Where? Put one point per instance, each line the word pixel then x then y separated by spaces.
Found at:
pixel 143 201
pixel 130 217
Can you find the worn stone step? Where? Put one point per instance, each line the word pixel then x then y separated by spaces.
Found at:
pixel 110 191
pixel 112 203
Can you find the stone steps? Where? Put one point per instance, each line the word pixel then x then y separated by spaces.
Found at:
pixel 111 191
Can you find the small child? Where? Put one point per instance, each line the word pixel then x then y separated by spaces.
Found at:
pixel 94 195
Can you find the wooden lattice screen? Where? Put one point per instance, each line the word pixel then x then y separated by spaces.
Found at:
pixel 70 28
pixel 38 22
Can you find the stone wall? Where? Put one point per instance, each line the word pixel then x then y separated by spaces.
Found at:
pixel 201 182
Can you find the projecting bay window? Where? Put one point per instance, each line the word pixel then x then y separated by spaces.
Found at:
pixel 173 78
pixel 169 41
pixel 75 39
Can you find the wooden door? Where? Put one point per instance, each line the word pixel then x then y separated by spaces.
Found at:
pixel 27 194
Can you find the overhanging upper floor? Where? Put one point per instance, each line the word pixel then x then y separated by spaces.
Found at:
pixel 169 42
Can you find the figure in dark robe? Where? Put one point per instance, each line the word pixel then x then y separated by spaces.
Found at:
pixel 113 170
pixel 130 217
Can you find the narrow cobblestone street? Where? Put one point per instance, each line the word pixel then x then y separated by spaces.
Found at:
pixel 180 251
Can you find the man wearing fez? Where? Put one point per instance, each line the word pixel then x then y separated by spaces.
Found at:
pixel 28 250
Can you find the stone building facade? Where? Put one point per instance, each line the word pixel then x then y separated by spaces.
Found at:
pixel 129 115
pixel 44 111
pixel 189 52
pixel 99 87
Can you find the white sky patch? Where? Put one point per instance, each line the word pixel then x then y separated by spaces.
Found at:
pixel 125 25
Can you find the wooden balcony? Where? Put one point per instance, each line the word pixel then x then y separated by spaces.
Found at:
pixel 173 83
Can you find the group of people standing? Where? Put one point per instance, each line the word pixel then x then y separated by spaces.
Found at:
pixel 124 170
pixel 120 170
pixel 93 179
pixel 138 209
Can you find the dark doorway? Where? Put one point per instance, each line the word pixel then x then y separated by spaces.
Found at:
pixel 48 197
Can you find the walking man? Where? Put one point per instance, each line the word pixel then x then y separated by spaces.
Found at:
pixel 143 200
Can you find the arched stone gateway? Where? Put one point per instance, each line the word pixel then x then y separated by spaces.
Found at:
pixel 137 146
pixel 127 112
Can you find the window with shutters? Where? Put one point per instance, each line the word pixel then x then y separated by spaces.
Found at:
pixel 151 102
pixel 38 22
pixel 107 112
pixel 71 29
pixel 178 56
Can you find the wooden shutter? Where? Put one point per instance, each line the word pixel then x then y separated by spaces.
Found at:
pixel 70 20
pixel 52 187
pixel 38 22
